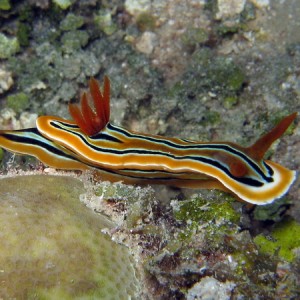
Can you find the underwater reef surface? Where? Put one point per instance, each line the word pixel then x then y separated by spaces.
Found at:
pixel 203 246
pixel 52 246
pixel 218 70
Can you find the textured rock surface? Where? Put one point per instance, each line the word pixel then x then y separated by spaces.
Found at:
pixel 52 246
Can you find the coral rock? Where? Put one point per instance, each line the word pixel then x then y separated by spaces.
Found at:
pixel 52 246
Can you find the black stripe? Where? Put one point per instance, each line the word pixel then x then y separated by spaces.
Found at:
pixel 270 170
pixel 37 142
pixel 98 136
pixel 104 136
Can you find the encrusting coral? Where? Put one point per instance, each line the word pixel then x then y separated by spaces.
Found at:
pixel 52 246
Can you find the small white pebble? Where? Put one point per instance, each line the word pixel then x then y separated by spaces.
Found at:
pixel 146 42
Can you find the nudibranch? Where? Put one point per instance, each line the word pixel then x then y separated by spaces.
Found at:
pixel 92 142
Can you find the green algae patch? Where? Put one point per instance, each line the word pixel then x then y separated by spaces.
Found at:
pixel 285 238
pixel 52 245
pixel 230 101
pixel 215 217
pixel 146 22
pixel 201 210
pixel 211 118
pixel 194 36
pixel 18 102
pixel 219 71
pixel 23 33
pixel 71 22
pixel 225 30
pixel 8 46
pixel 63 4
pixel 74 40
pixel 104 21
pixel 5 5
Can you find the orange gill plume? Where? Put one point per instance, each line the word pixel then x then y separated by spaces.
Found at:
pixel 92 120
